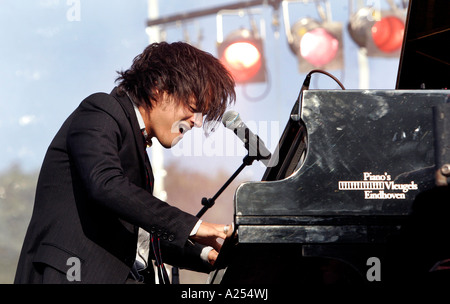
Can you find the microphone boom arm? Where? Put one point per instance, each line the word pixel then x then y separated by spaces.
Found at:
pixel 209 202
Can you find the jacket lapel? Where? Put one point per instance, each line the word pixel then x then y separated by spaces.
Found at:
pixel 128 108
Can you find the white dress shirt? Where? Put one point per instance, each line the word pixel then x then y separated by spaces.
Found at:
pixel 143 246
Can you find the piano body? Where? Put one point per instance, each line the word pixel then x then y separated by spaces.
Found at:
pixel 359 193
pixel 356 195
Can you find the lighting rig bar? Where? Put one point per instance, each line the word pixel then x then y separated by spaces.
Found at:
pixel 212 11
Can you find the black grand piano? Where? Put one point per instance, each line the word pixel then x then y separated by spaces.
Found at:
pixel 358 189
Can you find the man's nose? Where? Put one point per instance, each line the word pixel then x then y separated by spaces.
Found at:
pixel 197 120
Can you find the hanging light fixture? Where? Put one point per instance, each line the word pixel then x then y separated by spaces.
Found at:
pixel 317 44
pixel 242 53
pixel 380 32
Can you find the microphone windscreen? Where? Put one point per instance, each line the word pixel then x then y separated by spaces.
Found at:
pixel 231 119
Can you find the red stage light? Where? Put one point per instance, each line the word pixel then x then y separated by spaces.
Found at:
pixel 387 34
pixel 243 60
pixel 319 47
pixel 242 54
pixel 317 44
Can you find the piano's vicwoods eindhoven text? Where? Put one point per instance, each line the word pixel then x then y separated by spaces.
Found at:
pixel 380 183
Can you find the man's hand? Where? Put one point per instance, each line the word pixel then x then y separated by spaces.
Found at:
pixel 212 256
pixel 208 234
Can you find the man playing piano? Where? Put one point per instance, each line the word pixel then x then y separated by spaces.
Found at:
pixel 94 193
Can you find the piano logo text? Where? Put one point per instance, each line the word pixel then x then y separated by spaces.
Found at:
pixel 378 186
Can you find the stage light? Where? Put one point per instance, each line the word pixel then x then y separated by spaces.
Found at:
pixel 317 45
pixel 387 34
pixel 242 54
pixel 381 33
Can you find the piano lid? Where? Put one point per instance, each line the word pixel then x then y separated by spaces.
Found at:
pixel 368 153
pixel 425 58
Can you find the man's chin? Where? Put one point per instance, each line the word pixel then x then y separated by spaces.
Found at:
pixel 175 141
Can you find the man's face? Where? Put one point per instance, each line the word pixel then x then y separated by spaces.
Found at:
pixel 168 121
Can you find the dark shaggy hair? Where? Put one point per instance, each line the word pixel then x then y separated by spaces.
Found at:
pixel 183 72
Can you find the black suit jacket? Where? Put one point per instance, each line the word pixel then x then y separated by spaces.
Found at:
pixel 92 195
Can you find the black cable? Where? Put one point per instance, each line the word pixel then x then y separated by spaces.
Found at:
pixel 328 74
pixel 296 111
pixel 264 94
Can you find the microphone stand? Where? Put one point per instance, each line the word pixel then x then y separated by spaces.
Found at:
pixel 209 202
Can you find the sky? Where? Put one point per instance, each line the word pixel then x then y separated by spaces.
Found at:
pixel 54 53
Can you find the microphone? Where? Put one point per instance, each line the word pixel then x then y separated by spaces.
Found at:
pixel 252 142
